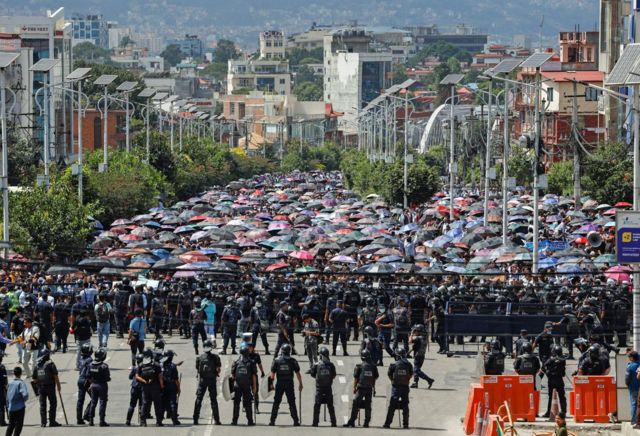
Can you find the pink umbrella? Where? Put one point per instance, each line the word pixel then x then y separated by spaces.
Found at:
pixel 618 273
pixel 342 259
pixel 302 255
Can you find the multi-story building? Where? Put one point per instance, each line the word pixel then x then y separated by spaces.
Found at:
pixel 269 73
pixel 117 34
pixel 90 28
pixel 354 75
pixel 36 38
pixel 191 46
pixel 273 45
pixel 463 37
pixel 311 39
pixel 151 41
pixel 93 133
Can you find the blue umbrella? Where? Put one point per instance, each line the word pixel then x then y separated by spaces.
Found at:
pixel 161 253
pixel 152 224
pixel 389 259
pixel 569 268
pixel 408 228
pixel 548 262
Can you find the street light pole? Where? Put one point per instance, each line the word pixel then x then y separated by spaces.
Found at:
pixel 487 159
pixel 5 161
pixel 80 150
pixel 147 121
pixel 452 168
pixel 406 140
pixel 505 164
pixel 536 192
pixel 46 129
pixel 105 115
pixel 127 139
pixel 171 123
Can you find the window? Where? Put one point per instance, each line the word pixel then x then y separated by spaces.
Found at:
pixel 232 108
pixel 283 81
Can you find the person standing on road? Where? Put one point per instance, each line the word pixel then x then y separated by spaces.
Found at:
pixel 324 372
pixel 99 376
pixel 339 319
pixel 365 375
pixel 284 367
pixel 230 316
pixel 371 343
pixel 283 321
pixel 197 319
pixel 45 380
pixel 632 382
pixel 149 374
pixel 103 313
pixel 29 339
pixel 527 363
pixel 245 379
pixel 171 389
pixel 260 322
pixel 82 331
pixel 208 366
pixel 311 336
pixel 555 369
pixel 17 397
pixel 135 397
pixel 544 341
pixel 137 328
pixel 121 307
pixel 494 359
pixel 86 350
pixel 61 313
pixel 399 373
pixel 209 307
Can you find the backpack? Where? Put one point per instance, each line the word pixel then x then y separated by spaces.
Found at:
pixel 401 375
pixel 84 368
pixel 148 372
pixel 366 378
pixel 323 375
pixel 44 374
pixel 573 326
pixel 284 369
pixel 102 313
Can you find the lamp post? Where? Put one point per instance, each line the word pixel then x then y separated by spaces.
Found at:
pixel 452 80
pixel 105 80
pixel 147 93
pixel 44 66
pixel 6 59
pixel 126 88
pixel 79 75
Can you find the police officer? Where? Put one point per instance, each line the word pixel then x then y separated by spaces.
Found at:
pixel 3 390
pixel 86 350
pixel 324 372
pixel 61 313
pixel 284 367
pixel 527 363
pixel 171 389
pixel 372 344
pixel 121 308
pixel 555 369
pixel 197 318
pixel 208 368
pixel 45 381
pixel 259 319
pixel 283 322
pixel 135 398
pixel 149 374
pixel 157 315
pixel 257 360
pixel 245 381
pixel 418 341
pixel 544 342
pixel 311 337
pixel 594 363
pixel 339 319
pixel 365 375
pixel 369 314
pixel 571 327
pixel 494 359
pixel 230 316
pixel 99 376
pixel 399 373
pixel 401 324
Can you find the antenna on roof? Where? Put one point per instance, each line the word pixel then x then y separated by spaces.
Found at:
pixel 540 35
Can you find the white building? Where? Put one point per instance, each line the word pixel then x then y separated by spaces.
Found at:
pixel 272 45
pixel 270 76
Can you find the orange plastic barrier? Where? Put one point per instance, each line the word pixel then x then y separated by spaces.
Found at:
pixel 491 426
pixel 593 398
pixel 518 390
pixel 476 397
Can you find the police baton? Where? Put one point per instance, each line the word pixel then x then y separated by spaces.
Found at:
pixel 300 404
pixel 66 421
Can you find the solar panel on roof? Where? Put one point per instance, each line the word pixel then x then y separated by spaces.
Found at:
pixel 7 59
pixel 105 79
pixel 626 64
pixel 146 93
pixel 160 96
pixel 44 65
pixel 536 60
pixel 506 66
pixel 127 86
pixel 78 74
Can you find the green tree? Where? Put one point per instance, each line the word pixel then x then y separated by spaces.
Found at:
pixel 399 73
pixel 125 41
pixel 308 91
pixel 298 56
pixel 521 165
pixel 23 161
pixel 561 178
pixel 95 92
pixel 306 74
pixel 225 51
pixel 172 54
pixel 454 65
pixel 160 155
pixel 217 70
pixel 608 174
pixel 49 221
pixel 87 51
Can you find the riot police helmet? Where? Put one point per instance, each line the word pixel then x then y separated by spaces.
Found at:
pixel 365 355
pixel 527 348
pixel 86 350
pixel 323 352
pixel 286 350
pixel 368 331
pixel 159 344
pixel 556 351
pixel 401 352
pixel 496 345
pixel 43 355
pixel 100 355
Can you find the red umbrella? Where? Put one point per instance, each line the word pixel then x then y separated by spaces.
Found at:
pixel 582 240
pixel 231 257
pixel 276 266
pixel 194 256
pixel 197 218
pixel 618 273
pixel 622 204
pixel 302 255
pixel 610 212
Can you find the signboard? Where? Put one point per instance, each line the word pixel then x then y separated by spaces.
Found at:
pixel 549 245
pixel 628 236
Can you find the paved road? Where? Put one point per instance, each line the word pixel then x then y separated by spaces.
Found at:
pixel 436 411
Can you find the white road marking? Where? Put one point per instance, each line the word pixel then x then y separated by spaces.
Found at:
pixel 342 380
pixel 340 362
pixel 345 398
pixel 208 431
